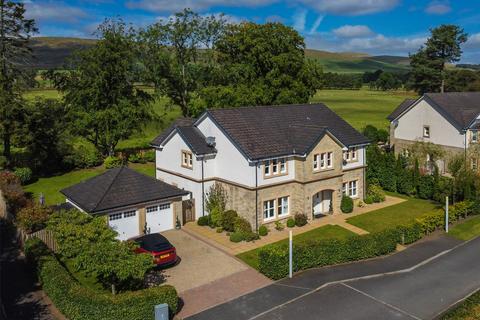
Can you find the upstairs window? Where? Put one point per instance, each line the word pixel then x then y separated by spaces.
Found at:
pixel 323 161
pixel 275 167
pixel 474 136
pixel 187 159
pixel 350 155
pixel 426 131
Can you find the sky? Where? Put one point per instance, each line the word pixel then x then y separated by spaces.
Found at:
pixel 376 27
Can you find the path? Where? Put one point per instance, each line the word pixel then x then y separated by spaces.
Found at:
pixel 417 283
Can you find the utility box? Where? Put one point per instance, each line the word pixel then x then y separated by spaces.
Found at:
pixel 161 311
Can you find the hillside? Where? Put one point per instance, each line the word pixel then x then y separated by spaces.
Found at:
pixel 52 52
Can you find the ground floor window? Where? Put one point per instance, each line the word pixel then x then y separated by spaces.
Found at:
pixel 350 188
pixel 283 206
pixel 269 209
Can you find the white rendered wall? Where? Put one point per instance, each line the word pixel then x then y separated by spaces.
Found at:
pixel 355 164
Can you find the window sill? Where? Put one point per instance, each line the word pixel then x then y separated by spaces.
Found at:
pixel 187 167
pixel 323 170
pixel 270 176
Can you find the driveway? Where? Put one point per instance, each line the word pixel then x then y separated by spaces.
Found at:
pixel 206 276
pixel 420 282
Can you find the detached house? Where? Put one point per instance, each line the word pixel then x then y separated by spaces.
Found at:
pixel 274 161
pixel 450 120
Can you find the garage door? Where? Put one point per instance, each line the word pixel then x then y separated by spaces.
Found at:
pixel 159 218
pixel 125 223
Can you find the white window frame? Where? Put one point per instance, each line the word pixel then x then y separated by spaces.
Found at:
pixel 329 160
pixel 316 161
pixel 283 166
pixel 269 209
pixel 354 153
pixel 275 167
pixel 346 156
pixel 187 159
pixel 426 131
pixel 345 188
pixel 353 188
pixel 474 136
pixel 266 169
pixel 323 162
pixel 283 206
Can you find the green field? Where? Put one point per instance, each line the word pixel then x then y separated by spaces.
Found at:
pixel 321 233
pixel 362 107
pixel 51 186
pixel 399 214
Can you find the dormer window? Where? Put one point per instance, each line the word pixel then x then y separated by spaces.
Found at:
pixel 275 167
pixel 350 154
pixel 187 159
pixel 426 131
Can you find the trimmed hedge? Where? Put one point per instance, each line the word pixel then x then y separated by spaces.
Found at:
pixel 273 260
pixel 79 303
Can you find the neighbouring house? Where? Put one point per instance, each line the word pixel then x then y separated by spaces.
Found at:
pixel 273 161
pixel 450 120
pixel 133 203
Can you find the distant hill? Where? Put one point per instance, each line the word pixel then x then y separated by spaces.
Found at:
pixel 52 52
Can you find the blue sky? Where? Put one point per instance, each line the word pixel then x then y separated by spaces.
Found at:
pixel 369 26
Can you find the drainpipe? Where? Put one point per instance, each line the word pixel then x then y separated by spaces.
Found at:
pixel 364 172
pixel 256 196
pixel 203 190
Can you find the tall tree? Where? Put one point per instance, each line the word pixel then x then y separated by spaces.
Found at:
pixel 262 64
pixel 15 32
pixel 99 91
pixel 428 64
pixel 177 55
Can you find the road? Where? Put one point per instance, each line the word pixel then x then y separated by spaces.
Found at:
pixel 418 283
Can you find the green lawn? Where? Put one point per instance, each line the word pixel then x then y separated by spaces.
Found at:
pixel 398 214
pixel 467 229
pixel 321 233
pixel 362 107
pixel 51 186
pixel 467 310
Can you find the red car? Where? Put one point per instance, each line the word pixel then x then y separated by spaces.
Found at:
pixel 163 252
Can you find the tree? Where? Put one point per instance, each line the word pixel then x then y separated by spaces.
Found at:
pixel 428 64
pixel 15 32
pixel 262 64
pixel 99 92
pixel 387 81
pixel 178 55
pixel 462 80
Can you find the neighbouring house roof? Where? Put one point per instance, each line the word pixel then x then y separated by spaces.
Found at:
pixel 460 108
pixel 271 131
pixel 119 187
pixel 400 109
pixel 192 136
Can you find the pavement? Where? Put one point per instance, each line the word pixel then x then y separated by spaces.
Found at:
pixel 420 282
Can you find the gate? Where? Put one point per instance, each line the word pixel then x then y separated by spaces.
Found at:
pixel 188 210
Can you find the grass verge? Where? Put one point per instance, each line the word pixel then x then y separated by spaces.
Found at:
pixel 467 229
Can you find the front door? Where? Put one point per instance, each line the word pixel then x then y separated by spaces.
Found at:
pixel 322 202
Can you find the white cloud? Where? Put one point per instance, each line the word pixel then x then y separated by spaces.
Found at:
pixel 196 5
pixel 473 41
pixel 351 7
pixel 299 20
pixel 49 11
pixel 438 8
pixel 316 24
pixel 349 31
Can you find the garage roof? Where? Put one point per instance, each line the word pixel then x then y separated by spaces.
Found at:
pixel 119 187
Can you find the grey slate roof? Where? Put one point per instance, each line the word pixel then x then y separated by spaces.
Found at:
pixel 400 109
pixel 192 136
pixel 272 131
pixel 119 187
pixel 460 108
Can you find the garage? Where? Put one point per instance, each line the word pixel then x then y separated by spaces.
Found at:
pixel 159 218
pixel 124 223
pixel 133 203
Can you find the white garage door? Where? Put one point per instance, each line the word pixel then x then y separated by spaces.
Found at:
pixel 159 218
pixel 125 223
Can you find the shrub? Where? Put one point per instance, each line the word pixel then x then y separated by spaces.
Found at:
pixel 219 230
pixel 300 219
pixel 203 221
pixel 236 237
pixel 263 231
pixel 216 198
pixel 369 200
pixel 149 155
pixel 12 191
pixel 80 303
pixel 242 225
pixel 376 193
pixel 228 220
pixel 33 218
pixel 84 156
pixel 34 249
pixel 346 205
pixel 112 162
pixel 3 162
pixel 425 187
pixel 24 174
pixel 251 236
pixel 215 217
pixel 279 226
pixel 290 223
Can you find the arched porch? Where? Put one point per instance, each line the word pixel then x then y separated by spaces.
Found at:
pixel 322 203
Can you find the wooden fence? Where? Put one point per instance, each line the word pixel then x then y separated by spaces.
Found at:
pixel 45 235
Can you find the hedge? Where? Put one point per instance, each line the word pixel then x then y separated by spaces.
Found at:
pixel 273 260
pixel 80 303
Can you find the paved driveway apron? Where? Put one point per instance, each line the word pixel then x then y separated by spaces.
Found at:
pixel 420 293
